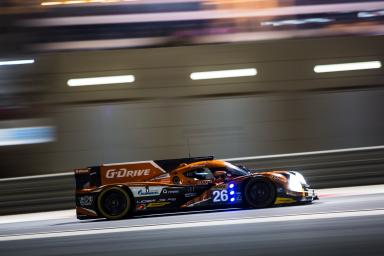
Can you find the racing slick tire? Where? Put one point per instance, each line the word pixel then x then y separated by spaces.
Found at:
pixel 114 203
pixel 259 193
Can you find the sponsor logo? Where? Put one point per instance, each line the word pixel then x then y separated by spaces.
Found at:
pixel 141 192
pixel 221 186
pixel 123 172
pixel 86 200
pixel 203 182
pixel 157 204
pixel 146 191
pixel 146 201
pixel 190 194
pixel 284 200
pixel 166 191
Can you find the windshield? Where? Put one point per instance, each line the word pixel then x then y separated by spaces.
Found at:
pixel 237 171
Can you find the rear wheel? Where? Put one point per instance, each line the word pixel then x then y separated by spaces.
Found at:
pixel 114 203
pixel 259 193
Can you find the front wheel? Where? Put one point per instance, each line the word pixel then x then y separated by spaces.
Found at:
pixel 259 193
pixel 114 203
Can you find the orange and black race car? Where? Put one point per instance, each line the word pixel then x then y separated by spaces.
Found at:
pixel 115 191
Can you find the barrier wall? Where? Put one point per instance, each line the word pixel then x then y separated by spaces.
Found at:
pixel 323 169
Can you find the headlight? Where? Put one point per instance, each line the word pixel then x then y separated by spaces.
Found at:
pixel 295 184
pixel 301 178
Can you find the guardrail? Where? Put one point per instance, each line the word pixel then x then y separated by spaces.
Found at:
pixel 322 169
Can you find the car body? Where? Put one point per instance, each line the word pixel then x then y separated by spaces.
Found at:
pixel 115 191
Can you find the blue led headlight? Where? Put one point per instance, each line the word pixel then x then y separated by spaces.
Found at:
pixel 231 191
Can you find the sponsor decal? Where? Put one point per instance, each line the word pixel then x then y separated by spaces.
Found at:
pixel 190 194
pixel 141 192
pixel 146 201
pixel 221 186
pixel 146 191
pixel 203 182
pixel 124 172
pixel 130 172
pixel 284 200
pixel 167 191
pixel 86 200
pixel 157 204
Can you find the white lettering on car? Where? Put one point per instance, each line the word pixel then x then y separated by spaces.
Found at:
pixel 123 172
pixel 110 174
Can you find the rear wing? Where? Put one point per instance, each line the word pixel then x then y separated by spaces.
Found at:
pixel 143 171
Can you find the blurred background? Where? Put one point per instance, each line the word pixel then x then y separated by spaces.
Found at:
pixel 48 125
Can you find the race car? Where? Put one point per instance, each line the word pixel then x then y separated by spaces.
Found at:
pixel 119 190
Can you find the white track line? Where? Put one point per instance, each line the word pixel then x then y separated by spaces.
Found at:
pixel 238 159
pixel 352 191
pixel 38 216
pixel 104 231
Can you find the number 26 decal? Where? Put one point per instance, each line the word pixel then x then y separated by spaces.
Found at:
pixel 220 196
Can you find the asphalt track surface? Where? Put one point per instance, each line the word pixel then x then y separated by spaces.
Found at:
pixel 342 224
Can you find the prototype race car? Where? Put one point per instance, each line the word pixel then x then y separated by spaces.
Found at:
pixel 115 191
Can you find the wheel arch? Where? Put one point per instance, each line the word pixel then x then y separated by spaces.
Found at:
pixel 121 186
pixel 262 178
pixel 258 178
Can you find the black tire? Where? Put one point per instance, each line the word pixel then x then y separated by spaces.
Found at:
pixel 259 193
pixel 114 203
